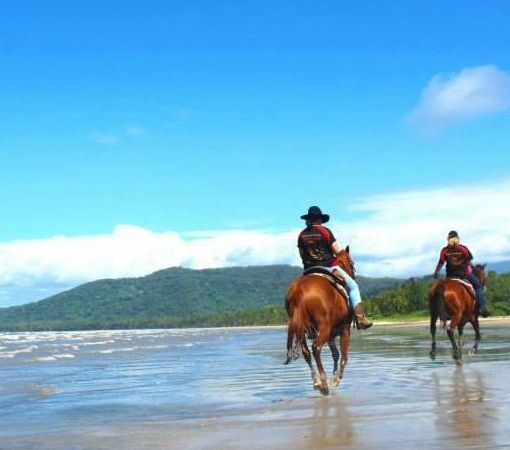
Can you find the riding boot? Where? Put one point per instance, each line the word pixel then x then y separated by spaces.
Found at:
pixel 362 323
pixel 484 312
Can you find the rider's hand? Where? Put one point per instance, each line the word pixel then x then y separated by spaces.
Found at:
pixel 436 275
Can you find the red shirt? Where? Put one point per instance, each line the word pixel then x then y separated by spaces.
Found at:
pixel 314 244
pixel 458 260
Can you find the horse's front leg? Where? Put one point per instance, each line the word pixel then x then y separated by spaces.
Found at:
pixel 308 358
pixel 345 338
pixel 336 355
pixel 316 349
pixel 461 340
pixel 478 337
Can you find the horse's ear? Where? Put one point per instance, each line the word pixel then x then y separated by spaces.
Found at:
pixel 347 249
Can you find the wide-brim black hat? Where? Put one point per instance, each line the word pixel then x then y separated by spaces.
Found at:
pixel 314 213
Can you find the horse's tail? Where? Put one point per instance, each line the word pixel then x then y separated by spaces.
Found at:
pixel 436 301
pixel 295 335
pixel 296 326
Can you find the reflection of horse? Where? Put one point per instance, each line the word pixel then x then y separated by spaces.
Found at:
pixel 451 300
pixel 318 310
pixel 326 428
pixel 465 413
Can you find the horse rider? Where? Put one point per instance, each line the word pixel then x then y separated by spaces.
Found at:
pixel 318 247
pixel 458 265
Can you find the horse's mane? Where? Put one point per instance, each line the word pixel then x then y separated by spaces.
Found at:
pixel 344 260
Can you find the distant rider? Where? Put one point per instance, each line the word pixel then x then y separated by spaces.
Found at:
pixel 318 247
pixel 458 265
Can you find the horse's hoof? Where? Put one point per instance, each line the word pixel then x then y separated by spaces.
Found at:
pixel 458 362
pixel 471 353
pixel 335 382
pixel 325 390
pixel 432 356
pixel 316 386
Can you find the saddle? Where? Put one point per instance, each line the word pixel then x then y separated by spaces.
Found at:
pixel 467 285
pixel 332 276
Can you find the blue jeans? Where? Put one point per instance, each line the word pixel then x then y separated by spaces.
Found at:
pixel 352 287
pixel 480 296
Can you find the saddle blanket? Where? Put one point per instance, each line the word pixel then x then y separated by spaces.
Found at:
pixel 331 279
pixel 466 284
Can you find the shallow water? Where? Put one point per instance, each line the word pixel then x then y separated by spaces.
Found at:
pixel 59 384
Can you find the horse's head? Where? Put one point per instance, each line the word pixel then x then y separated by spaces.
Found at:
pixel 343 259
pixel 479 271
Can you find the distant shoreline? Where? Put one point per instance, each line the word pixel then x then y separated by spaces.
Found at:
pixel 377 323
pixel 496 320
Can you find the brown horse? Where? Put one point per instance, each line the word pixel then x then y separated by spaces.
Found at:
pixel 318 310
pixel 451 301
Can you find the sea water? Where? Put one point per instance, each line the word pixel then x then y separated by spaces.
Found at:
pixel 53 382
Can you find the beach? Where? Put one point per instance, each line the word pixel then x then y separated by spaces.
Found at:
pixel 229 389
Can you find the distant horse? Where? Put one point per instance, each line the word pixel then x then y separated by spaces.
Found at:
pixel 451 300
pixel 318 310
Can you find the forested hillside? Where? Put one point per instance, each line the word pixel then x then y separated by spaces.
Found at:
pixel 170 297
pixel 179 297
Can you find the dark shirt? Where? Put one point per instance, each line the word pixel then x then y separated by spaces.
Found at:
pixel 314 244
pixel 458 261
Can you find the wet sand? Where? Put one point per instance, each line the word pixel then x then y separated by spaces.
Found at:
pixel 392 396
pixel 462 412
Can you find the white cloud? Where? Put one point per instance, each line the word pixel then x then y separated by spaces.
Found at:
pixel 134 130
pixel 471 93
pixel 129 131
pixel 134 251
pixel 106 139
pixel 398 235
pixel 402 233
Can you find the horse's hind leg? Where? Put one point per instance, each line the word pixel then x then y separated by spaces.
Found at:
pixel 336 355
pixel 308 358
pixel 320 340
pixel 478 337
pixel 455 348
pixel 433 320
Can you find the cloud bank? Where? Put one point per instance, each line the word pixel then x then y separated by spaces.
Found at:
pixel 397 235
pixel 470 93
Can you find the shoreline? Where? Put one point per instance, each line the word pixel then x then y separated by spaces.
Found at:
pixel 377 323
pixel 500 320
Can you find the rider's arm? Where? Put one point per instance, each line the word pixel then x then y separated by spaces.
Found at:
pixel 442 258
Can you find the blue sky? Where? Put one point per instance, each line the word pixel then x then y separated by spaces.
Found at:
pixel 205 118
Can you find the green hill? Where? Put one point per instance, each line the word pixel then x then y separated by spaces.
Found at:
pixel 179 297
pixel 172 297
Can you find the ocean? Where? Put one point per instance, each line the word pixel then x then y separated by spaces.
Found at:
pixel 58 387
